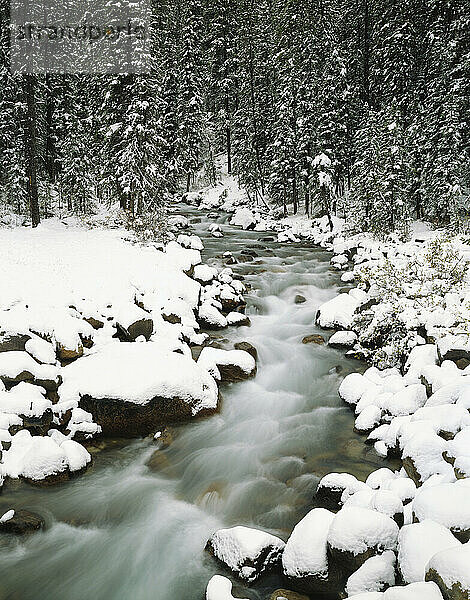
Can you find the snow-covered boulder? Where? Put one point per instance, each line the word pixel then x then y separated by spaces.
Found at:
pixel 238 319
pixel 446 421
pixel 227 365
pixel 368 419
pixel 20 522
pixel 246 552
pixel 417 544
pixel 17 366
pixel 210 317
pixel 204 274
pixel 337 313
pixel 414 591
pixel 305 561
pixel 334 488
pixel 357 533
pixel 450 569
pixel 375 575
pixel 131 389
pixel 383 501
pixel 447 504
pixel 43 459
pixel 219 588
pixel 422 451
pixel 353 387
pixel 343 339
pixel 243 218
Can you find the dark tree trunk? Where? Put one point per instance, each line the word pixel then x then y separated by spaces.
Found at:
pixel 50 145
pixel 31 148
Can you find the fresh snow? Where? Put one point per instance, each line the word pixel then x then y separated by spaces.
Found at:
pixel 306 549
pixel 138 373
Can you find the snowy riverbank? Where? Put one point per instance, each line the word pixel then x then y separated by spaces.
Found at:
pixel 97 337
pixel 408 316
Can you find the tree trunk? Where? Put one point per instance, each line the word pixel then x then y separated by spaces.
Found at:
pixel 31 148
pixel 50 145
pixel 188 182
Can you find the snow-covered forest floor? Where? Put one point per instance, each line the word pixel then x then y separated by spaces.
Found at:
pixel 100 334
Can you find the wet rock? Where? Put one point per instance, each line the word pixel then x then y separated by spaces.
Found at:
pixel 247 347
pixel 127 419
pixel 462 363
pixel 164 438
pixel 95 323
pixel 299 299
pixel 313 339
pixel 287 595
pixel 171 318
pixel 157 461
pixel 134 330
pixel 66 355
pixel 228 365
pixel 22 522
pixel 12 341
pixel 38 425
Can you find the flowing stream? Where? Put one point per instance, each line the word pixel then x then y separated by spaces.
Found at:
pixel 128 531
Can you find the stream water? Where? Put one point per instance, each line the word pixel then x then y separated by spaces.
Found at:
pixel 127 531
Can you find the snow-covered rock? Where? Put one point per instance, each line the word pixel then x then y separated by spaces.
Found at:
pixel 304 560
pixel 210 317
pixel 353 387
pixel 343 339
pixel 246 552
pixel 219 588
pixel 227 365
pixel 204 274
pixel 337 313
pixel 334 488
pixel 447 504
pixel 450 569
pixel 243 218
pixel 20 366
pixel 417 544
pixel 131 389
pixel 375 575
pixel 357 533
pixel 37 458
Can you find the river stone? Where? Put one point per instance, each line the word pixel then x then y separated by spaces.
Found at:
pixel 13 341
pixel 22 522
pixel 450 570
pixel 287 595
pixel 299 299
pixel 246 552
pixel 95 323
pixel 247 347
pixel 127 419
pixel 141 327
pixel 38 425
pixel 66 355
pixel 313 339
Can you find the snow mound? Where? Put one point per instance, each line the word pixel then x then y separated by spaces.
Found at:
pixel 306 550
pixel 247 552
pixel 356 530
pixel 377 573
pixel 417 543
